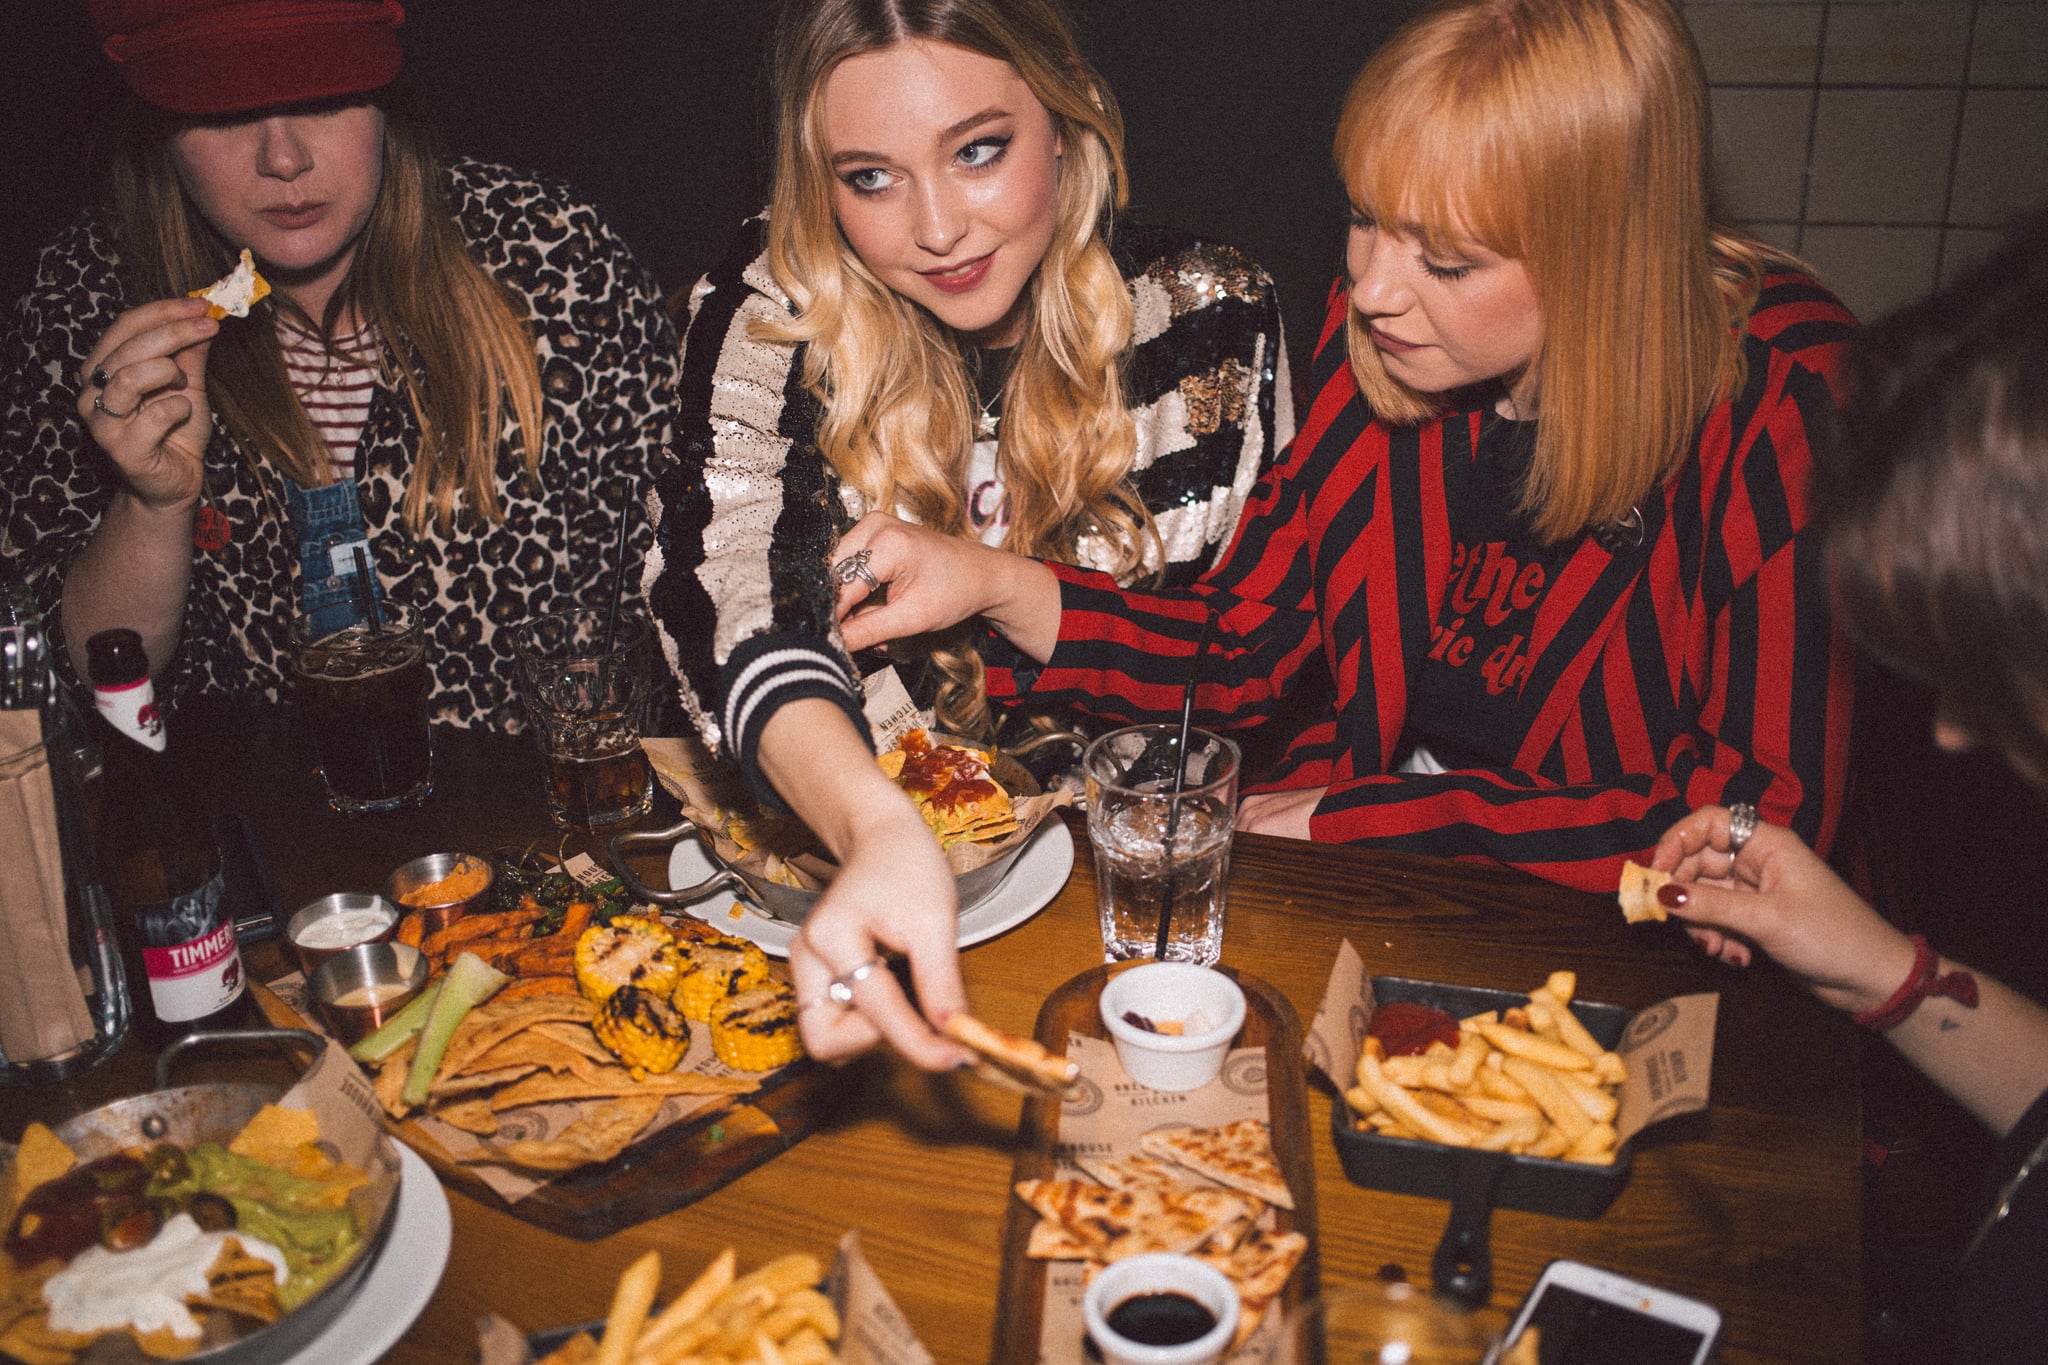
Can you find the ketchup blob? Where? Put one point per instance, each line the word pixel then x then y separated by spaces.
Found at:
pixel 1406 1029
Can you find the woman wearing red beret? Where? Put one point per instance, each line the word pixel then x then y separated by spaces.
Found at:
pixel 460 371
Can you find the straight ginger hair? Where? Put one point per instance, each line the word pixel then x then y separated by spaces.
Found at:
pixel 898 402
pixel 455 341
pixel 1569 135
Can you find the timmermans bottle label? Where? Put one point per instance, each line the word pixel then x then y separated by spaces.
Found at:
pixel 131 709
pixel 190 954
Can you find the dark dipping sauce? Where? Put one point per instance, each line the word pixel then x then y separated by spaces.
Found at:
pixel 1166 1319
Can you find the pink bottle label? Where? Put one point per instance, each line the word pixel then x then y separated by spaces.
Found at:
pixel 191 980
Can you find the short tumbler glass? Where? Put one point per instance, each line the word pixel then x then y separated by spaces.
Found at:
pixel 1157 852
pixel 584 678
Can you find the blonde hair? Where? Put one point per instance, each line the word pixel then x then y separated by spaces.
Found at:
pixel 455 341
pixel 1569 135
pixel 899 405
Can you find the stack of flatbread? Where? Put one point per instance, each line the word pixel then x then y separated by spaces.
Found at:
pixel 1202 1192
pixel 509 1054
pixel 953 789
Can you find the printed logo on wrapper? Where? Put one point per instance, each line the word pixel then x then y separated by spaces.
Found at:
pixel 132 711
pixel 192 979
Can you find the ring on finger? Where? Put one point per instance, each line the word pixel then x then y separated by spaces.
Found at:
pixel 103 410
pixel 99 378
pixel 855 566
pixel 840 988
pixel 1741 827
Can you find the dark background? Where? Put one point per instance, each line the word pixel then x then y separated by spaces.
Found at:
pixel 658 111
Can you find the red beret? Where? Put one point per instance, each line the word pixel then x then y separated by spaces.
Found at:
pixel 225 56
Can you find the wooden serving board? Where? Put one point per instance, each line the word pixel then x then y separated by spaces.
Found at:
pixel 668 1170
pixel 1270 1023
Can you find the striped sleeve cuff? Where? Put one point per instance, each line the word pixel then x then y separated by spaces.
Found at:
pixel 766 673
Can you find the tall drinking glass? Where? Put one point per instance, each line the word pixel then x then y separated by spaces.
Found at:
pixel 585 683
pixel 363 690
pixel 1157 852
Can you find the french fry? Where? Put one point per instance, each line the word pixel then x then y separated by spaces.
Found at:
pixel 1598 1105
pixel 1556 1102
pixel 1464 1067
pixel 1403 1106
pixel 1568 1026
pixel 689 1305
pixel 1564 985
pixel 1596 1144
pixel 630 1302
pixel 1529 1047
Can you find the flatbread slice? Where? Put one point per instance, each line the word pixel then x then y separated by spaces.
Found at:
pixel 1124 1172
pixel 232 294
pixel 1239 1155
pixel 1107 1225
pixel 1007 1060
pixel 1638 894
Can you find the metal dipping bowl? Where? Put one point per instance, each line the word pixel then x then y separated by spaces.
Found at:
pixel 358 988
pixel 331 908
pixel 410 877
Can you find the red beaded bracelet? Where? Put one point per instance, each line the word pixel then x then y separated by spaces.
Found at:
pixel 1924 980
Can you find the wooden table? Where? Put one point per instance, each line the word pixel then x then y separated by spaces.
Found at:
pixel 1753 1206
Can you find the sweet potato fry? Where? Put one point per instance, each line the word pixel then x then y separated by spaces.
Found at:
pixel 539 985
pixel 473 927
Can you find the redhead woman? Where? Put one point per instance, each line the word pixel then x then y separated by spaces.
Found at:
pixel 1933 503
pixel 1543 532
pixel 938 317
pixel 460 371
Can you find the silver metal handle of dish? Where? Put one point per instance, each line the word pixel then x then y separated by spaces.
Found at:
pixel 305 1038
pixel 722 880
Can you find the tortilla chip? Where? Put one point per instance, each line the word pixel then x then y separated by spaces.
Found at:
pixel 275 1135
pixel 492 1023
pixel 446 1087
pixel 471 1116
pixel 614 1082
pixel 601 1134
pixel 240 1283
pixel 164 1344
pixel 579 1037
pixel 43 1157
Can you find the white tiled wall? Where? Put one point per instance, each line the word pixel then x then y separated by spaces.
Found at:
pixel 1886 141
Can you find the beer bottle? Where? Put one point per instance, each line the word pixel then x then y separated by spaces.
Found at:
pixel 159 858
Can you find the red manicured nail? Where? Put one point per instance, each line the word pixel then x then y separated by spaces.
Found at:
pixel 1672 896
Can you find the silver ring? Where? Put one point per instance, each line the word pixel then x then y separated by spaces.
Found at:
pixel 840 989
pixel 103 410
pixel 855 566
pixel 98 378
pixel 1741 826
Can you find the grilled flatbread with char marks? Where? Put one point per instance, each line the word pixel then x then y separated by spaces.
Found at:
pixel 1239 1155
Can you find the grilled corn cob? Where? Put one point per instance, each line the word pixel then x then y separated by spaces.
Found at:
pixel 755 1030
pixel 715 969
pixel 633 950
pixel 642 1030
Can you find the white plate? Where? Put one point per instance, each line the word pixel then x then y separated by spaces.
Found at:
pixel 1035 878
pixel 404 1278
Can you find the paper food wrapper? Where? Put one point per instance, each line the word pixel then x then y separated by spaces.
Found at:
pixel 43 1012
pixel 873 1331
pixel 1669 1047
pixel 778 848
pixel 513 1183
pixel 1104 1116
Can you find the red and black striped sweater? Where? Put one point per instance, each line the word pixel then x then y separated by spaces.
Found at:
pixel 1698 666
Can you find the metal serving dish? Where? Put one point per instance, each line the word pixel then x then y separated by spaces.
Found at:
pixel 187 1115
pixel 1477 1182
pixel 793 904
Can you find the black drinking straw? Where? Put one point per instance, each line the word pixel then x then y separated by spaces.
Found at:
pixel 1180 775
pixel 366 593
pixel 611 619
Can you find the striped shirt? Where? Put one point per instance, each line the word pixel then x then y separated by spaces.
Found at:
pixel 1697 666
pixel 334 386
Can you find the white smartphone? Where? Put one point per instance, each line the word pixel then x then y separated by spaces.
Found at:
pixel 1584 1315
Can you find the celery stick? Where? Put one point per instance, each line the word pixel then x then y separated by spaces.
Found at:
pixel 469 983
pixel 398 1030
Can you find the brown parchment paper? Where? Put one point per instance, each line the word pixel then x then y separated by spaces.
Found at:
pixel 873 1330
pixel 513 1183
pixel 43 1012
pixel 1669 1046
pixel 1126 1111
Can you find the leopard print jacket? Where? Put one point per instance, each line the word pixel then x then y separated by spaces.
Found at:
pixel 608 356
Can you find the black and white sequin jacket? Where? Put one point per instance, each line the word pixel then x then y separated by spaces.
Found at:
pixel 608 356
pixel 748 509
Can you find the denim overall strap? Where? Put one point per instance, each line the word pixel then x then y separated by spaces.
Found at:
pixel 329 524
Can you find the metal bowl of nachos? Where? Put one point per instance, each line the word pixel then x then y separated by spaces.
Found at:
pixel 982 805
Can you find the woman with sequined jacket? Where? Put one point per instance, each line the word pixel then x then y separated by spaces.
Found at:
pixel 1931 503
pixel 934 317
pixel 460 371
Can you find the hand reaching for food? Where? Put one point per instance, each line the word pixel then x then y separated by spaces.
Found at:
pixel 1778 895
pixel 897 579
